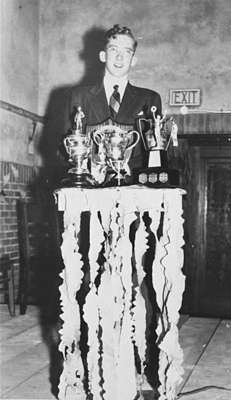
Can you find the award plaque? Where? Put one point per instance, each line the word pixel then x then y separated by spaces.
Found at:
pixel 156 134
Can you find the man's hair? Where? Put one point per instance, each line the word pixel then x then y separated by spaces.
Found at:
pixel 118 30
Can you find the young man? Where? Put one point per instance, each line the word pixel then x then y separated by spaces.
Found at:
pixel 119 57
pixel 95 101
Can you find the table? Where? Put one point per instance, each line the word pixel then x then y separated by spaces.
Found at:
pixel 113 310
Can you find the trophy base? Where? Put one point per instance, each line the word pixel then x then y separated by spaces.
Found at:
pixel 157 177
pixel 113 180
pixel 76 180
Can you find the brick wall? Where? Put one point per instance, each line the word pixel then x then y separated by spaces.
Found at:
pixel 14 180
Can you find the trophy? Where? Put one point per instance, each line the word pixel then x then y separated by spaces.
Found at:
pixel 78 146
pixel 156 134
pixel 117 144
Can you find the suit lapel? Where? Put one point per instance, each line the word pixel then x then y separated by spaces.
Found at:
pixel 126 110
pixel 98 103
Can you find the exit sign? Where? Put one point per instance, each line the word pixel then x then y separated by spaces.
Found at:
pixel 184 97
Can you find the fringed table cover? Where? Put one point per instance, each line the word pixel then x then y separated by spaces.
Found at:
pixel 113 309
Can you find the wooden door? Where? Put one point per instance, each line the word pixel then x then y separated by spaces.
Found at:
pixel 208 255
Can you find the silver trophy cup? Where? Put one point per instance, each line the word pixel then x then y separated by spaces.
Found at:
pixel 117 144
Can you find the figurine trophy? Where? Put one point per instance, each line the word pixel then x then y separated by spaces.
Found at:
pixel 77 146
pixel 117 144
pixel 156 134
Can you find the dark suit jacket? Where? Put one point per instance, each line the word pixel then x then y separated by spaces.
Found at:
pixel 93 102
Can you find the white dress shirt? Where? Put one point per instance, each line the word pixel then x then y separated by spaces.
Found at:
pixel 109 83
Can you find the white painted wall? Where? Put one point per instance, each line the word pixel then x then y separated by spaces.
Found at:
pixel 19 77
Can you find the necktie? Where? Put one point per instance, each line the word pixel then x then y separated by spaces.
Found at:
pixel 114 103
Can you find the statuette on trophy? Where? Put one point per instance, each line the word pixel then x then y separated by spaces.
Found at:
pixel 78 120
pixel 157 133
pixel 77 146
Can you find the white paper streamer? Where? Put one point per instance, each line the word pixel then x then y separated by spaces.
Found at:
pixel 91 308
pixel 72 275
pixel 126 370
pixel 139 317
pixel 168 282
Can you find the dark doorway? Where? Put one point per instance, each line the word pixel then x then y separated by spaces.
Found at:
pixel 208 253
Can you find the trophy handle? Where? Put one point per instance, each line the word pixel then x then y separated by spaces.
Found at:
pixel 141 131
pixel 97 137
pixel 136 140
pixel 128 152
pixel 139 122
pixel 65 142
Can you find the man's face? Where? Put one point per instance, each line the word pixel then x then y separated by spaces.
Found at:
pixel 118 55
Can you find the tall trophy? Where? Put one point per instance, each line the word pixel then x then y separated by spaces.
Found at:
pixel 78 147
pixel 157 133
pixel 117 145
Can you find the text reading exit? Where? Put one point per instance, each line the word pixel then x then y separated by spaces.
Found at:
pixel 185 97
